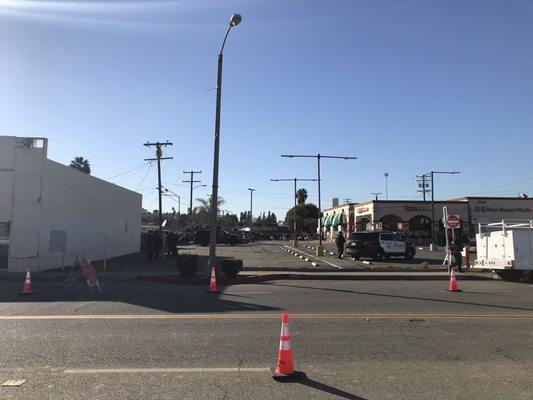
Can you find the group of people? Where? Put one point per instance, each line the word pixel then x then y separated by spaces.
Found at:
pixel 154 241
pixel 172 243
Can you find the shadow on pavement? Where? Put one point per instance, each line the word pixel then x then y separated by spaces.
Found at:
pixel 329 389
pixel 395 296
pixel 171 298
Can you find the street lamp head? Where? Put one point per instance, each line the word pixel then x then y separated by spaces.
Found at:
pixel 235 20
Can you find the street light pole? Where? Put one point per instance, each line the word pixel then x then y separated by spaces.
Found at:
pixel 320 248
pixel 234 21
pixel 376 194
pixel 295 240
pixel 386 185
pixel 251 208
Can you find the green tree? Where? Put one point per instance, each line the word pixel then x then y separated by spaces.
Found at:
pixel 228 221
pixel 306 217
pixel 301 196
pixel 81 164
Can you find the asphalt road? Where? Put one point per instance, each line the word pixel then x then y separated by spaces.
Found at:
pixel 369 340
pixel 266 255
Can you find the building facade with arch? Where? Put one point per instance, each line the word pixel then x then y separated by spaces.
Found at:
pixel 414 218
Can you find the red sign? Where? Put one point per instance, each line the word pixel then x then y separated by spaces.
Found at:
pixel 453 221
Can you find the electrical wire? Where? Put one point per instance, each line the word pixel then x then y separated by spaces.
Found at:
pixel 144 177
pixel 126 172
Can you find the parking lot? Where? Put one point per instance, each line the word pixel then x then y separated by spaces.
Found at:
pixel 268 255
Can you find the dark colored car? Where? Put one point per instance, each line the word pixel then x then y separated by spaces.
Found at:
pixel 378 245
pixel 202 237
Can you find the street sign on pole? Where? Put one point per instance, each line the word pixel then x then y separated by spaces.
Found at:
pixel 452 221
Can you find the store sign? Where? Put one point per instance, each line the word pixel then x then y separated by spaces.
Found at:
pixel 362 210
pixel 501 209
pixel 414 208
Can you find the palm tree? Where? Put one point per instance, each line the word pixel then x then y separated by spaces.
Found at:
pixel 301 195
pixel 81 164
pixel 205 205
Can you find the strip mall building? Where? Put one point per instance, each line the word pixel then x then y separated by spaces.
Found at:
pixel 414 218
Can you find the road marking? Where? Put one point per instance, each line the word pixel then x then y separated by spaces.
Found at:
pixel 160 370
pixel 317 258
pixel 265 316
pixel 13 382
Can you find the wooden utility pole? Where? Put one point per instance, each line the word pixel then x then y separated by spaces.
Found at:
pixel 191 181
pixel 159 157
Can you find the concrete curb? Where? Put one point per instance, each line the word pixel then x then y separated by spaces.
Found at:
pixel 176 280
pixel 385 277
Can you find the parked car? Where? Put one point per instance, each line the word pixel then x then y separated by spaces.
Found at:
pixel 378 245
pixel 202 237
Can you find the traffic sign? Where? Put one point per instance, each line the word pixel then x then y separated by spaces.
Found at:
pixel 453 221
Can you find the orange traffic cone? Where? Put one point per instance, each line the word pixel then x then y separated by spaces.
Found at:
pixel 453 282
pixel 285 367
pixel 26 290
pixel 213 281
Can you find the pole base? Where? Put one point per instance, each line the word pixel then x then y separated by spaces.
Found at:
pixel 320 251
pixel 453 291
pixel 27 294
pixel 294 377
pixel 216 291
pixel 295 243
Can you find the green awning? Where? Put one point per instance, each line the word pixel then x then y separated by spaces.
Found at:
pixel 338 219
pixel 329 219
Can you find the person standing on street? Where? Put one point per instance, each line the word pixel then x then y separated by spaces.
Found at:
pixel 150 245
pixel 340 243
pixel 158 243
pixel 456 248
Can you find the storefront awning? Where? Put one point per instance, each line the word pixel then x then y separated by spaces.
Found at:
pixel 338 219
pixel 328 221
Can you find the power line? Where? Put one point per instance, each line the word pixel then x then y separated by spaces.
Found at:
pixel 130 170
pixel 144 177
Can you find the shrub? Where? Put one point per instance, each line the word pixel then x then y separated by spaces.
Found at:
pixel 187 264
pixel 230 267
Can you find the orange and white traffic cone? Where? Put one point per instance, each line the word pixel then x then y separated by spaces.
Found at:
pixel 26 290
pixel 285 367
pixel 453 282
pixel 213 281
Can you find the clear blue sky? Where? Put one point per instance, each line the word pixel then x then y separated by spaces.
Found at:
pixel 407 86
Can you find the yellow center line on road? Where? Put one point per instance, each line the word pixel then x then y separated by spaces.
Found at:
pixel 526 317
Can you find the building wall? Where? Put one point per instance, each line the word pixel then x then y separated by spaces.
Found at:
pixel 24 193
pixel 96 215
pixel 494 209
pixel 7 167
pixel 51 208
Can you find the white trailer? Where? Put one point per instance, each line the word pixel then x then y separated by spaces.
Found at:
pixel 506 247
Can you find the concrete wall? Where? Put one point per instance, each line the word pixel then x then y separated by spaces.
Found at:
pixel 26 156
pixel 7 168
pixel 49 208
pixel 96 215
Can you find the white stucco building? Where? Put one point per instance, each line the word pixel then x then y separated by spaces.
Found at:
pixel 49 210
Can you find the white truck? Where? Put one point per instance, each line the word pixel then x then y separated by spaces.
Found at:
pixel 506 247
